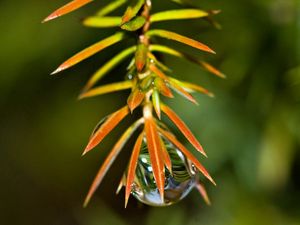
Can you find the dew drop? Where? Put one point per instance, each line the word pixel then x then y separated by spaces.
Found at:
pixel 129 76
pixel 177 185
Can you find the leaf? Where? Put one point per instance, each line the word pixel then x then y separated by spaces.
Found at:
pixel 178 15
pixel 106 128
pixel 167 50
pixel 111 7
pixel 166 156
pixel 212 69
pixel 110 159
pixel 141 57
pixel 132 166
pixel 90 51
pixel 163 88
pixel 158 72
pixel 187 153
pixel 203 192
pixel 190 87
pixel 158 63
pixel 203 64
pixel 156 102
pixel 155 152
pixel 132 10
pixel 104 89
pixel 135 99
pixel 182 127
pixel 134 24
pixel 180 90
pixel 182 2
pixel 211 20
pixel 214 12
pixel 109 66
pixel 179 38
pixel 102 22
pixel 71 6
pixel 121 184
pixel 174 85
pixel 146 83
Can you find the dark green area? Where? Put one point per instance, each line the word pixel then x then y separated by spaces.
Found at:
pixel 250 130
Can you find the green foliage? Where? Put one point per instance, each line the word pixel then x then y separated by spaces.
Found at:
pixel 250 130
pixel 148 79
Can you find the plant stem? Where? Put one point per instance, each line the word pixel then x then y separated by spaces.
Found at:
pixel 143 39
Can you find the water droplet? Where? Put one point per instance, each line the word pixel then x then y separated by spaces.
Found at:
pixel 129 76
pixel 177 185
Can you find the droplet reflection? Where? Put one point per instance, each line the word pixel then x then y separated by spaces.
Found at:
pixel 177 185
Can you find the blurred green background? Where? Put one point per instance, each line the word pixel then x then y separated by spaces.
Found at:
pixel 250 130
